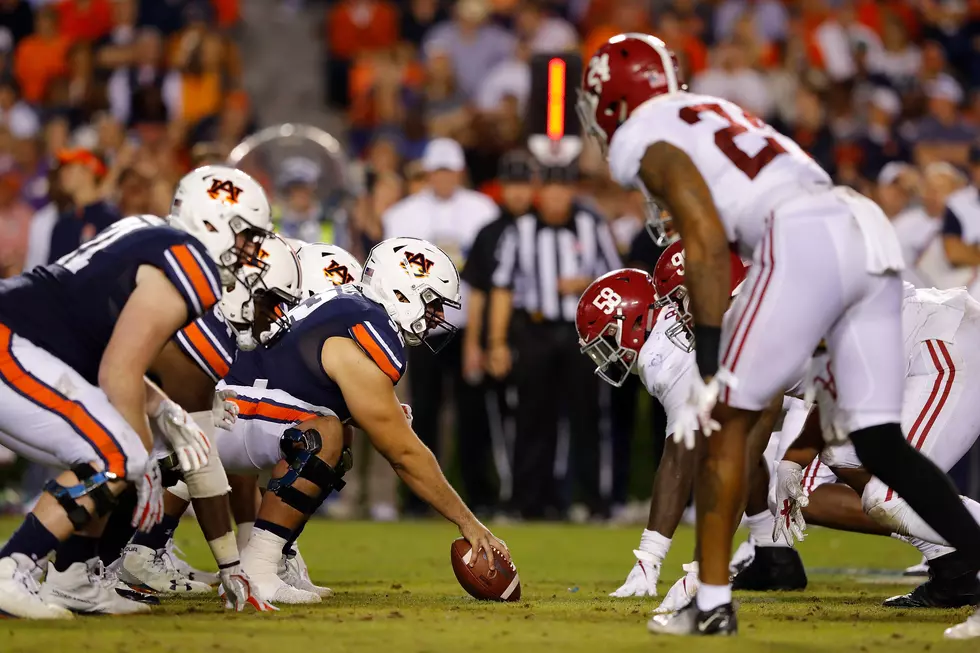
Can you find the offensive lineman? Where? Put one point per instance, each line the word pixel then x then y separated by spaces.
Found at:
pixel 74 396
pixel 825 264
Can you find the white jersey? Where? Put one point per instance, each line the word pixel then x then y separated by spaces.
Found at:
pixel 747 165
pixel 667 371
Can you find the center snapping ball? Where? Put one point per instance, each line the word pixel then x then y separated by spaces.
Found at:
pixel 498 584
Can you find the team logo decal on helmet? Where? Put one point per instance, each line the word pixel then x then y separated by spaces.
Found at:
pixel 417 264
pixel 230 190
pixel 337 273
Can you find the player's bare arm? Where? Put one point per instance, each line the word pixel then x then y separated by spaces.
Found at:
pixel 185 382
pixel 501 307
pixel 370 396
pixel 151 316
pixel 960 253
pixel 670 176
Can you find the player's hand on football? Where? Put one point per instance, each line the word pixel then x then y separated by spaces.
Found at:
pixel 184 436
pixel 790 501
pixel 239 593
pixel 643 577
pixel 481 539
pixel 149 497
pixel 224 411
pixel 695 414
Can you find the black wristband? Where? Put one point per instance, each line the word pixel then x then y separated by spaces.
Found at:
pixel 707 342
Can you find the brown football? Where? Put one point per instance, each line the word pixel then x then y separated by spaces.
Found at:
pixel 500 584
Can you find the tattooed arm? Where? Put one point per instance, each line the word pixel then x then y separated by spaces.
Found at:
pixel 670 176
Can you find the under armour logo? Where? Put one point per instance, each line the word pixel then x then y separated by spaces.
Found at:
pixel 230 190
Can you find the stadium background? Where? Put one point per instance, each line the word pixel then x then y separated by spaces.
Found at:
pixel 104 104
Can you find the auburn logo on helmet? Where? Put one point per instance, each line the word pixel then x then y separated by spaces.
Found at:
pixel 228 189
pixel 417 264
pixel 338 274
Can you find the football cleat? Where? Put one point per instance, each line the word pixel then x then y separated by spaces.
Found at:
pixel 144 569
pixel 186 570
pixel 293 571
pixel 744 555
pixel 966 630
pixel 920 570
pixel 689 620
pixel 19 592
pixel 952 583
pixel 84 588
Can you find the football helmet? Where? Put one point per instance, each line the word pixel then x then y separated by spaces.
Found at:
pixel 267 287
pixel 668 280
pixel 414 281
pixel 325 266
pixel 614 317
pixel 227 211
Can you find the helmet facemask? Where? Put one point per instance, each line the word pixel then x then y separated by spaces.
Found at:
pixel 613 361
pixel 681 333
pixel 586 106
pixel 432 319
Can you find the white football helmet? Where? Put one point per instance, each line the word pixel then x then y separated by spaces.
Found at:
pixel 227 211
pixel 325 266
pixel 272 279
pixel 413 280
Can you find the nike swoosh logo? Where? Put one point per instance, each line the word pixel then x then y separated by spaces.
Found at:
pixel 707 623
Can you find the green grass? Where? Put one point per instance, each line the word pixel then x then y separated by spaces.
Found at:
pixel 395 592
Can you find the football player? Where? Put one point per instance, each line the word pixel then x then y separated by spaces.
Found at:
pixel 335 359
pixel 630 321
pixel 825 264
pixel 76 339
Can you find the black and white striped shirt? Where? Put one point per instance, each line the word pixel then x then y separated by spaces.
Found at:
pixel 533 256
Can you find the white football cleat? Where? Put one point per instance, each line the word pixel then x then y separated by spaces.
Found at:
pixel 643 577
pixel 293 571
pixel 145 569
pixel 682 592
pixel 966 630
pixel 744 555
pixel 83 588
pixel 186 570
pixel 19 592
pixel 921 569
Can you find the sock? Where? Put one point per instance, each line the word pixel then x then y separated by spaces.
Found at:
pixel 760 530
pixel 244 532
pixel 119 529
pixel 32 539
pixel 277 530
pixel 77 548
pixel 158 536
pixel 929 550
pixel 928 491
pixel 711 596
pixel 225 550
pixel 655 544
pixel 287 549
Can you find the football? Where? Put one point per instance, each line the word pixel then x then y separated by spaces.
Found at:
pixel 499 584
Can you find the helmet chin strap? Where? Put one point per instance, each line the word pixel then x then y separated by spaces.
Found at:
pixel 245 340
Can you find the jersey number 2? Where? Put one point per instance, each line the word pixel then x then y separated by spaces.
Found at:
pixel 725 139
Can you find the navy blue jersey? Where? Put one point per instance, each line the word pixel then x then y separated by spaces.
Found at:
pixel 292 364
pixel 210 343
pixel 70 307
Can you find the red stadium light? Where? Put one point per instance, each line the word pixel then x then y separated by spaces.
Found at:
pixel 556 99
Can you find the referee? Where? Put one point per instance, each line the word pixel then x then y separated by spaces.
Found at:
pixel 547 259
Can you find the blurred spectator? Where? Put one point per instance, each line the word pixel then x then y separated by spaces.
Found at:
pixel 420 16
pixel 40 57
pixel 115 48
pixel 897 192
pixel 443 102
pixel 472 44
pixel 624 16
pixel 691 52
pixel 15 219
pixel 16 22
pixel 543 32
pixel 134 197
pixel 842 42
pixel 811 131
pixel 355 28
pixel 943 134
pixel 941 181
pixel 730 77
pixel 84 20
pixel 168 16
pixel 769 17
pixel 16 115
pixel 449 216
pixel 200 66
pixel 298 211
pixel 227 128
pixel 961 225
pixel 880 142
pixel 144 91
pixel 897 60
pixel 508 79
pixel 79 91
pixel 87 212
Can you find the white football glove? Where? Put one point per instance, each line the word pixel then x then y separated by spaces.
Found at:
pixel 643 577
pixel 695 414
pixel 149 497
pixel 682 592
pixel 184 436
pixel 790 501
pixel 238 591
pixel 224 411
pixel 408 413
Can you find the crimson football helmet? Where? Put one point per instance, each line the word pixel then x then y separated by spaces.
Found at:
pixel 668 280
pixel 614 317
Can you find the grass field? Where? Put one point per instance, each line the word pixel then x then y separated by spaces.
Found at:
pixel 395 591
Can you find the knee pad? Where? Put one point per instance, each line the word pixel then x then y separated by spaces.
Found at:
pixel 299 450
pixel 886 513
pixel 210 480
pixel 90 483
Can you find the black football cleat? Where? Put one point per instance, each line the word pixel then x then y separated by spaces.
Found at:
pixel 689 620
pixel 952 583
pixel 773 569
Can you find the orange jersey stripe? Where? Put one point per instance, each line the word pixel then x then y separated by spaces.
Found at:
pixel 195 275
pixel 372 349
pixel 72 412
pixel 249 408
pixel 203 346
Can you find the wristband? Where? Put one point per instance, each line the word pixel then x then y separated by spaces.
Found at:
pixel 707 342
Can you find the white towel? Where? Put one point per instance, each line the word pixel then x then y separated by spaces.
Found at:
pixel 880 240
